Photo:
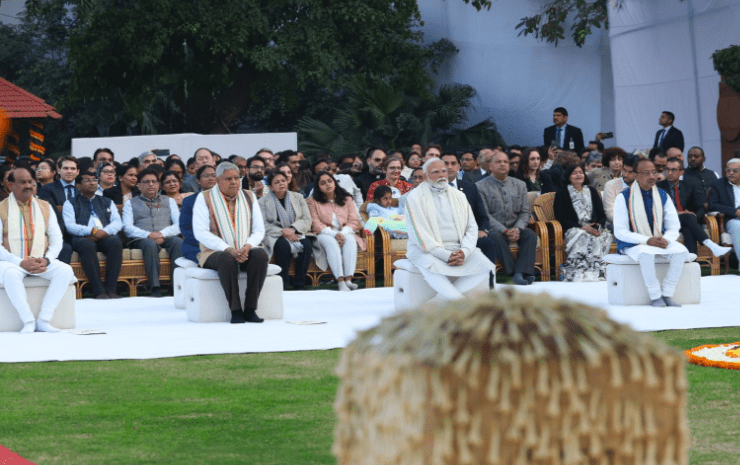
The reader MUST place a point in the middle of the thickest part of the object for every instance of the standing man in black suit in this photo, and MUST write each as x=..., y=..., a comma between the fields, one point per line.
x=668, y=136
x=58, y=192
x=485, y=243
x=566, y=137
x=688, y=199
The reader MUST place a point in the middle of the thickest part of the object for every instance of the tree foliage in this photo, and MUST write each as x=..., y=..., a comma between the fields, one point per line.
x=549, y=23
x=373, y=113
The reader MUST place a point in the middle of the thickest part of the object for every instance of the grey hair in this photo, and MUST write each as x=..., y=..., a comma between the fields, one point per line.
x=733, y=160
x=426, y=164
x=225, y=166
x=146, y=154
x=593, y=156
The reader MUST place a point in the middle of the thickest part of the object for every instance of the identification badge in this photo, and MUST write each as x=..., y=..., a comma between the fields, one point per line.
x=572, y=145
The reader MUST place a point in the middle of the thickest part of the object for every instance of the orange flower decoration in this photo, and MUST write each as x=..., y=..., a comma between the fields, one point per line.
x=716, y=355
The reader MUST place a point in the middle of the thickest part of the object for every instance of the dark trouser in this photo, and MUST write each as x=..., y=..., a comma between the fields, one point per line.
x=281, y=252
x=488, y=247
x=228, y=273
x=527, y=249
x=150, y=250
x=65, y=255
x=112, y=248
x=692, y=231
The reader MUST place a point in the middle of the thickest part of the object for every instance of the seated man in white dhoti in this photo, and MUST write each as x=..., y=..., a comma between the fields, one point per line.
x=645, y=225
x=31, y=242
x=443, y=234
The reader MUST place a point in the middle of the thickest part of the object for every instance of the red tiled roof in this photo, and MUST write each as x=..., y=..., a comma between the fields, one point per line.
x=18, y=103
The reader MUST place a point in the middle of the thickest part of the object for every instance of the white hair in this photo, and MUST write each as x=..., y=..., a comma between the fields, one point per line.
x=733, y=160
x=426, y=164
x=225, y=166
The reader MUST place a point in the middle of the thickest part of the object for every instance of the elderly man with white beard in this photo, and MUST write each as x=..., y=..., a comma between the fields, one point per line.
x=443, y=235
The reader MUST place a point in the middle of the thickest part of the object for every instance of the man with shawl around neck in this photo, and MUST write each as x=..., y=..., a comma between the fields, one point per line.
x=152, y=222
x=443, y=235
x=32, y=240
x=645, y=225
x=228, y=224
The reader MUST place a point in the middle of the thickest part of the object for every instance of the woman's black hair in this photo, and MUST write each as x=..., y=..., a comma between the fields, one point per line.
x=340, y=195
x=170, y=173
x=569, y=170
x=380, y=191
x=175, y=161
x=271, y=175
x=200, y=171
x=123, y=169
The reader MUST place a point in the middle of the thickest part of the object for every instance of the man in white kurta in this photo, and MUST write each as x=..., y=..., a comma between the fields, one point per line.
x=31, y=242
x=645, y=225
x=443, y=235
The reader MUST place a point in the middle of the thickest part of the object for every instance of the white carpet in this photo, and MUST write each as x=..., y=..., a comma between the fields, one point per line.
x=143, y=328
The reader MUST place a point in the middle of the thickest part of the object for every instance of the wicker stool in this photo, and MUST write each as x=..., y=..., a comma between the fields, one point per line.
x=627, y=286
x=64, y=315
x=206, y=302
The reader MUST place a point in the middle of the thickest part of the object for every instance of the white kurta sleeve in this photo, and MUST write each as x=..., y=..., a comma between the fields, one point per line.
x=174, y=228
x=258, y=226
x=55, y=238
x=622, y=224
x=202, y=227
x=470, y=240
x=671, y=223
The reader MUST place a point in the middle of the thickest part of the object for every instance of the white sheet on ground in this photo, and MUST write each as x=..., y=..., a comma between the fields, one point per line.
x=143, y=328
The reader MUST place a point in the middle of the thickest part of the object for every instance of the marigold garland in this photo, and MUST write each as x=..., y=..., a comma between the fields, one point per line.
x=716, y=355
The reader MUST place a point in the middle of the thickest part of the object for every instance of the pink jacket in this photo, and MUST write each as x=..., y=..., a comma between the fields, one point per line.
x=321, y=214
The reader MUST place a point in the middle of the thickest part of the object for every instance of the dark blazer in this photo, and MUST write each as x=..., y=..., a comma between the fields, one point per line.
x=552, y=179
x=673, y=138
x=476, y=203
x=722, y=199
x=364, y=181
x=566, y=214
x=572, y=133
x=55, y=195
x=116, y=194
x=190, y=245
x=472, y=176
x=691, y=195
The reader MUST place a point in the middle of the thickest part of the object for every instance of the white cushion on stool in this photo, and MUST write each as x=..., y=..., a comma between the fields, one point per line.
x=410, y=289
x=206, y=301
x=626, y=285
x=620, y=259
x=64, y=315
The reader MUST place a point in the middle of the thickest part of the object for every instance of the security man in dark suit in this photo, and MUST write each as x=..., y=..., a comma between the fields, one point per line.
x=566, y=137
x=689, y=202
x=58, y=192
x=485, y=243
x=669, y=136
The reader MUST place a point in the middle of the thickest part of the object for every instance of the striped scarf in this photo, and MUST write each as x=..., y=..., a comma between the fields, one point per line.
x=236, y=231
x=26, y=240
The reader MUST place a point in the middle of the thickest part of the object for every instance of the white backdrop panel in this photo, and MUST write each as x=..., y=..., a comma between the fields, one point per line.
x=657, y=66
x=185, y=145
x=519, y=80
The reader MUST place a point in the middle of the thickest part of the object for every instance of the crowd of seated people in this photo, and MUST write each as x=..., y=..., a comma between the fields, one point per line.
x=311, y=210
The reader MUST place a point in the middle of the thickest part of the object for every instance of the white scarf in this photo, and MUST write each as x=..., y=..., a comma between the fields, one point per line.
x=638, y=216
x=18, y=231
x=422, y=215
x=235, y=233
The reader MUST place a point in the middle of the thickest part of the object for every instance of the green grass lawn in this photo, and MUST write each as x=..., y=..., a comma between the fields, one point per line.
x=251, y=408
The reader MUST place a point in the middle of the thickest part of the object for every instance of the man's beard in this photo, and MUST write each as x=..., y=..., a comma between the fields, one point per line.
x=440, y=185
x=255, y=177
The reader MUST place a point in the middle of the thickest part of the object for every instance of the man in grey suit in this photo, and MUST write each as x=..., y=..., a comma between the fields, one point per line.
x=505, y=199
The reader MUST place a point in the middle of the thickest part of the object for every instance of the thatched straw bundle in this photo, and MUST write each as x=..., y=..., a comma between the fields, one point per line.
x=510, y=379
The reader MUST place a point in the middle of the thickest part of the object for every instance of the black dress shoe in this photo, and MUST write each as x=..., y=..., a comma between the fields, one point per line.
x=251, y=317
x=113, y=295
x=237, y=316
x=156, y=292
x=102, y=296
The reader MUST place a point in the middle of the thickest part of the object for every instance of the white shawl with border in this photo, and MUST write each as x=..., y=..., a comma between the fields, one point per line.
x=20, y=234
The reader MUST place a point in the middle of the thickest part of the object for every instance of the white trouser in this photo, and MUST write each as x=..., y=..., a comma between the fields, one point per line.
x=342, y=260
x=444, y=287
x=58, y=274
x=647, y=266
